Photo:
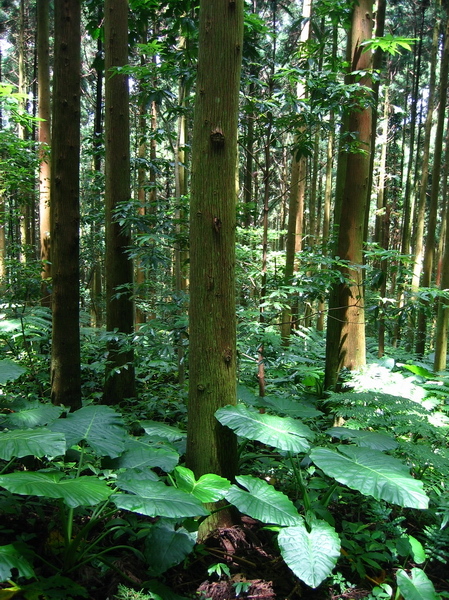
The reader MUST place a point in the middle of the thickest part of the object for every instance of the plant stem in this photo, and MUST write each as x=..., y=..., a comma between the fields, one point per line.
x=301, y=485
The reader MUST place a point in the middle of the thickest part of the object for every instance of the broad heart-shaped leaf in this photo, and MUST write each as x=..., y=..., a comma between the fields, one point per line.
x=416, y=587
x=31, y=442
x=366, y=439
x=311, y=555
x=140, y=454
x=100, y=426
x=83, y=491
x=162, y=430
x=262, y=502
x=166, y=547
x=9, y=371
x=283, y=433
x=35, y=416
x=372, y=473
x=155, y=499
x=208, y=488
x=12, y=558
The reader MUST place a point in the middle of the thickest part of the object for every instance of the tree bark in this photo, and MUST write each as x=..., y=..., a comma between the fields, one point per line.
x=434, y=192
x=119, y=381
x=212, y=350
x=65, y=156
x=345, y=342
x=44, y=134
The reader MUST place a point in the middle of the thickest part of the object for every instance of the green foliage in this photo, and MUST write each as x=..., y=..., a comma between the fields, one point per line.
x=311, y=553
x=416, y=586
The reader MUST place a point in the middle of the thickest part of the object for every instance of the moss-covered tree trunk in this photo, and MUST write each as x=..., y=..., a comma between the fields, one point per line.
x=65, y=151
x=119, y=383
x=345, y=341
x=212, y=349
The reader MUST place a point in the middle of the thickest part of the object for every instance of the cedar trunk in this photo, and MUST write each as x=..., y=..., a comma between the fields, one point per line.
x=65, y=357
x=44, y=107
x=212, y=448
x=345, y=342
x=119, y=383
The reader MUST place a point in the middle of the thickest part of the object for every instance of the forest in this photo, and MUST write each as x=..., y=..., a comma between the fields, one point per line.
x=224, y=278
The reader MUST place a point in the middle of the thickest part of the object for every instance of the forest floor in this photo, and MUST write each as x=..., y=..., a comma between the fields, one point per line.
x=249, y=551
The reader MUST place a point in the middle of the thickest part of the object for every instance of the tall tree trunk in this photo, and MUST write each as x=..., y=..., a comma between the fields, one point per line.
x=44, y=106
x=96, y=286
x=181, y=252
x=434, y=192
x=382, y=221
x=212, y=350
x=328, y=182
x=27, y=199
x=119, y=381
x=345, y=342
x=65, y=215
x=425, y=152
x=296, y=197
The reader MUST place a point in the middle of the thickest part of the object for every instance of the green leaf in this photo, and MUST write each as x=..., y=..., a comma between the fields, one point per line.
x=263, y=502
x=311, y=555
x=31, y=442
x=83, y=491
x=291, y=408
x=34, y=416
x=208, y=488
x=418, y=552
x=155, y=499
x=156, y=587
x=283, y=433
x=366, y=439
x=162, y=430
x=140, y=454
x=10, y=371
x=12, y=558
x=166, y=547
x=417, y=586
x=131, y=475
x=100, y=426
x=372, y=473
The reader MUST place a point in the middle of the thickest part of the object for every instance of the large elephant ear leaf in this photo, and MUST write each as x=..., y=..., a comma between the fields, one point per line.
x=166, y=547
x=282, y=433
x=417, y=586
x=373, y=474
x=33, y=416
x=9, y=371
x=12, y=558
x=367, y=439
x=155, y=499
x=82, y=491
x=208, y=488
x=311, y=555
x=100, y=426
x=262, y=502
x=31, y=442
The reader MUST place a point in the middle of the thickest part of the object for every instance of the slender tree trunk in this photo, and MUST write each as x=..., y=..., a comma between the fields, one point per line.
x=44, y=112
x=296, y=199
x=408, y=210
x=65, y=156
x=345, y=342
x=212, y=350
x=382, y=220
x=328, y=182
x=96, y=307
x=434, y=193
x=181, y=251
x=119, y=382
